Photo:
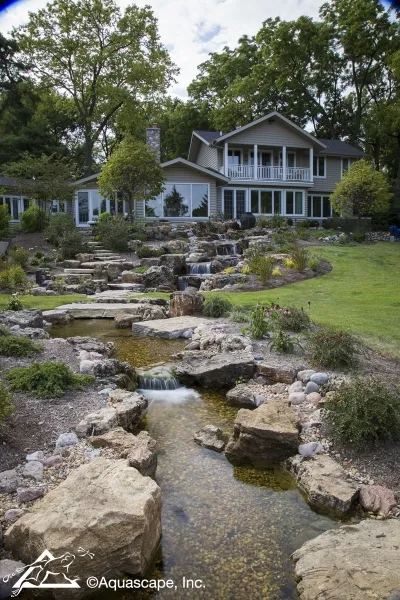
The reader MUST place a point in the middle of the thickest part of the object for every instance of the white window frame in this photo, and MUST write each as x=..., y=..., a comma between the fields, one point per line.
x=256, y=189
x=295, y=191
x=287, y=160
x=234, y=189
x=56, y=203
x=319, y=176
x=20, y=205
x=348, y=165
x=259, y=153
x=188, y=216
x=311, y=211
x=233, y=149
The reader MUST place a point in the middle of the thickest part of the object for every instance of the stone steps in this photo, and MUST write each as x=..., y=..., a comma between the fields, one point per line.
x=98, y=245
x=81, y=271
x=125, y=286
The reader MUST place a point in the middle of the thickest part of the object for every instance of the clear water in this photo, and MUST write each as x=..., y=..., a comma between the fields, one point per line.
x=232, y=527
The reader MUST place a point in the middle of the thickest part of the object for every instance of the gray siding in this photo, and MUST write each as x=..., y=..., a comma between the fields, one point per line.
x=207, y=157
x=184, y=174
x=333, y=175
x=274, y=134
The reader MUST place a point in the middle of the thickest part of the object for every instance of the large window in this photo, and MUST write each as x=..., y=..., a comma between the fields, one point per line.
x=319, y=207
x=294, y=202
x=16, y=205
x=234, y=157
x=345, y=165
x=234, y=203
x=180, y=200
x=319, y=166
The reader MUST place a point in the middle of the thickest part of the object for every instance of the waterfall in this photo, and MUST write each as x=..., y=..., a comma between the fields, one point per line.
x=158, y=383
x=227, y=249
x=199, y=268
x=182, y=283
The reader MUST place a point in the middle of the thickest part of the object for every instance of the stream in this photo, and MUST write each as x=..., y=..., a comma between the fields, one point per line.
x=234, y=528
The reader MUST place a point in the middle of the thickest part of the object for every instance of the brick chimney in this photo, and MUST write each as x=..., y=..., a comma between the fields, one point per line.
x=153, y=140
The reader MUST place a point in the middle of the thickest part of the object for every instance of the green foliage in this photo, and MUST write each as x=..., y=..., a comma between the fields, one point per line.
x=283, y=342
x=315, y=262
x=14, y=303
x=6, y=405
x=104, y=217
x=300, y=258
x=239, y=315
x=359, y=237
x=70, y=244
x=33, y=219
x=59, y=284
x=258, y=323
x=274, y=222
x=303, y=234
x=290, y=318
x=259, y=264
x=46, y=380
x=114, y=233
x=333, y=348
x=18, y=256
x=133, y=172
x=149, y=252
x=363, y=191
x=13, y=279
x=57, y=226
x=142, y=269
x=4, y=221
x=18, y=346
x=140, y=236
x=303, y=224
x=364, y=411
x=216, y=306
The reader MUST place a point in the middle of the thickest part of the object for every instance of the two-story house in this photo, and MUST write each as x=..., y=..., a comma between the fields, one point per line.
x=270, y=166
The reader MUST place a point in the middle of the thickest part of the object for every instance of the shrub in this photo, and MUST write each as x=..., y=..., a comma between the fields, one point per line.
x=142, y=269
x=46, y=380
x=19, y=256
x=239, y=315
x=274, y=222
x=4, y=331
x=359, y=237
x=276, y=272
x=282, y=342
x=4, y=221
x=229, y=271
x=140, y=236
x=70, y=244
x=148, y=252
x=259, y=264
x=6, y=405
x=13, y=279
x=33, y=219
x=57, y=226
x=104, y=217
x=216, y=306
x=14, y=303
x=303, y=234
x=289, y=264
x=315, y=262
x=246, y=270
x=300, y=257
x=17, y=346
x=364, y=410
x=258, y=324
x=114, y=233
x=291, y=318
x=303, y=224
x=333, y=348
x=59, y=285
x=284, y=238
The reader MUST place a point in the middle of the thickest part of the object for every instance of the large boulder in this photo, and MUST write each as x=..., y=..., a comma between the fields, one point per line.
x=175, y=262
x=276, y=373
x=185, y=303
x=118, y=439
x=144, y=312
x=105, y=507
x=325, y=482
x=143, y=455
x=242, y=395
x=354, y=562
x=267, y=434
x=57, y=316
x=218, y=370
x=377, y=499
x=156, y=276
x=122, y=373
x=131, y=277
x=130, y=407
x=97, y=422
x=23, y=318
x=210, y=437
x=9, y=481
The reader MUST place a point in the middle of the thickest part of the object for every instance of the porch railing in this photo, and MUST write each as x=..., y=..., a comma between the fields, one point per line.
x=268, y=173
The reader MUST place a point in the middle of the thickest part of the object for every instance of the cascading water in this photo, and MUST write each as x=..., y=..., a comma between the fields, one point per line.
x=199, y=268
x=229, y=249
x=160, y=384
x=182, y=283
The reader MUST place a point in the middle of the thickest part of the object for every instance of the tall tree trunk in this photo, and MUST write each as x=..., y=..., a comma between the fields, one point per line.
x=88, y=165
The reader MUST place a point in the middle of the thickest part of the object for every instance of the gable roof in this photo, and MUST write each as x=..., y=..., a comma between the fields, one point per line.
x=339, y=148
x=192, y=165
x=7, y=182
x=207, y=136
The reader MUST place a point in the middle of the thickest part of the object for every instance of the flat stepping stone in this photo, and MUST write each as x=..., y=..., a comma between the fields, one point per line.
x=82, y=271
x=98, y=310
x=168, y=328
x=126, y=286
x=95, y=265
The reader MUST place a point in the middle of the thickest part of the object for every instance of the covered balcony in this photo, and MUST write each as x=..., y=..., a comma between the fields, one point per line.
x=268, y=164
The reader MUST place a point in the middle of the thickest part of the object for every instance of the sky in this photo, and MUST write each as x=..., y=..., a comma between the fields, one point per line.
x=192, y=29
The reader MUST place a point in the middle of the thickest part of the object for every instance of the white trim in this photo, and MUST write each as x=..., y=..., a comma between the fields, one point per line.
x=284, y=176
x=255, y=160
x=319, y=176
x=185, y=217
x=20, y=199
x=321, y=196
x=294, y=192
x=270, y=116
x=235, y=189
x=311, y=161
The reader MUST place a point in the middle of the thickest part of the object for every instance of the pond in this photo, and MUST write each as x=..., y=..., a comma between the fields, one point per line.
x=234, y=528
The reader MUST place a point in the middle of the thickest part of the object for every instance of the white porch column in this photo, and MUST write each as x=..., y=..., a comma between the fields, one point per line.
x=311, y=164
x=284, y=161
x=255, y=161
x=226, y=159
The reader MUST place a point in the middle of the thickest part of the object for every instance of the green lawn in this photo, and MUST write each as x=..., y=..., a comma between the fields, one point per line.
x=44, y=302
x=361, y=294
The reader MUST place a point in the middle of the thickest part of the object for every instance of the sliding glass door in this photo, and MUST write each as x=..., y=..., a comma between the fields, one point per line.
x=234, y=203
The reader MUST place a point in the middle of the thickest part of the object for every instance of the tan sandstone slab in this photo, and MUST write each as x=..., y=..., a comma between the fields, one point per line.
x=354, y=562
x=98, y=310
x=168, y=328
